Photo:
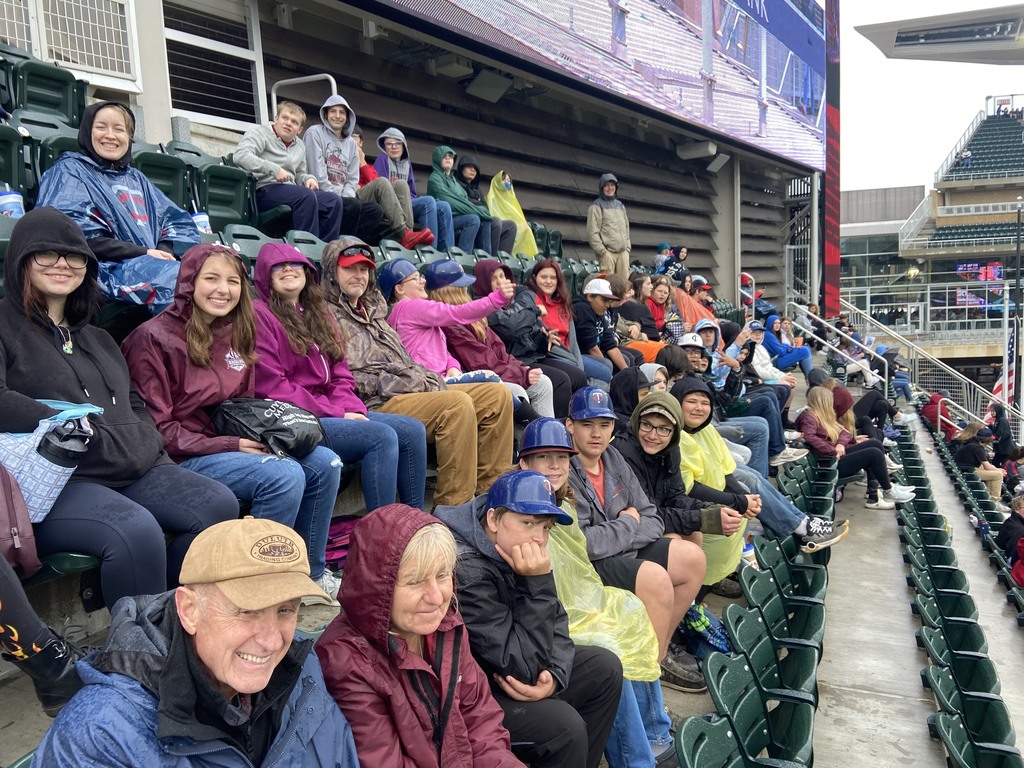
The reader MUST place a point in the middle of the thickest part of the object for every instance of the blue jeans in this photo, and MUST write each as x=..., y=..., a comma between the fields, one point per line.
x=777, y=512
x=652, y=711
x=435, y=216
x=901, y=384
x=763, y=403
x=293, y=492
x=627, y=745
x=597, y=368
x=393, y=450
x=483, y=238
x=796, y=356
x=467, y=227
x=756, y=436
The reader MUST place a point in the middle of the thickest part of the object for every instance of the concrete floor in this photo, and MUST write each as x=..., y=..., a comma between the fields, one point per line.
x=873, y=709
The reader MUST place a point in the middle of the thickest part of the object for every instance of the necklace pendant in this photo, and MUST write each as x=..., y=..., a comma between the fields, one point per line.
x=68, y=347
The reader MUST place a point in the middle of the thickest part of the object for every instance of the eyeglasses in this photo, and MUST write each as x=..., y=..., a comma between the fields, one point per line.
x=414, y=277
x=392, y=144
x=297, y=266
x=50, y=259
x=646, y=426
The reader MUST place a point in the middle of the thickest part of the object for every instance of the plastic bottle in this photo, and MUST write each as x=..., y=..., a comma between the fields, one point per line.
x=749, y=558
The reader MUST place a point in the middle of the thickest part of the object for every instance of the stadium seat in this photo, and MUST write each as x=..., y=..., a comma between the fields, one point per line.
x=711, y=742
x=49, y=89
x=801, y=625
x=222, y=191
x=972, y=671
x=428, y=253
x=168, y=173
x=273, y=221
x=12, y=159
x=961, y=752
x=309, y=245
x=24, y=761
x=796, y=669
x=927, y=581
x=554, y=249
x=392, y=249
x=798, y=582
x=47, y=137
x=945, y=608
x=7, y=224
x=985, y=716
x=247, y=241
x=786, y=731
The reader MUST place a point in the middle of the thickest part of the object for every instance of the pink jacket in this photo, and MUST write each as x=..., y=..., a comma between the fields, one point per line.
x=419, y=323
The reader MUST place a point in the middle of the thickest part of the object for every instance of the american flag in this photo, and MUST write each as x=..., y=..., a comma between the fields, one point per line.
x=1011, y=370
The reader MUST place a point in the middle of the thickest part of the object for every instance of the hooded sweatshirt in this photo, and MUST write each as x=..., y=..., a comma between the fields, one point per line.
x=476, y=197
x=659, y=473
x=331, y=159
x=1004, y=442
x=391, y=695
x=624, y=391
x=607, y=223
x=149, y=701
x=445, y=187
x=516, y=624
x=393, y=170
x=310, y=381
x=518, y=323
x=263, y=153
x=125, y=445
x=120, y=211
x=178, y=392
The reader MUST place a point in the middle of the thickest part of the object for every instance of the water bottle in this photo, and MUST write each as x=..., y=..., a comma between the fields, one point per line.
x=749, y=558
x=65, y=445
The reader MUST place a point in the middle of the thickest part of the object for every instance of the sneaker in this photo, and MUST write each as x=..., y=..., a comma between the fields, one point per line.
x=330, y=584
x=899, y=418
x=899, y=495
x=822, y=533
x=1000, y=507
x=787, y=455
x=888, y=443
x=678, y=675
x=879, y=503
x=411, y=239
x=892, y=466
x=728, y=587
x=904, y=488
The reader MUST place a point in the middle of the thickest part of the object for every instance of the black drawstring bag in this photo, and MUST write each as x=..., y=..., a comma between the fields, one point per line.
x=285, y=429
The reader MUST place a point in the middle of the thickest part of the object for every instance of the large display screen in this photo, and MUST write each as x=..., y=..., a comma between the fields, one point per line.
x=754, y=71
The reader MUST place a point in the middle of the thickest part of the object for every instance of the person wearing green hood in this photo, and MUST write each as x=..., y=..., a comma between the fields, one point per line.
x=467, y=219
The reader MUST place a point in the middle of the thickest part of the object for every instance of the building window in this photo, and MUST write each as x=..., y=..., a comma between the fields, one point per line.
x=215, y=63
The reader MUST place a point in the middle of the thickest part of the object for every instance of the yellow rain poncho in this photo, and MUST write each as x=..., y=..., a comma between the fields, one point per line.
x=502, y=203
x=704, y=459
x=598, y=615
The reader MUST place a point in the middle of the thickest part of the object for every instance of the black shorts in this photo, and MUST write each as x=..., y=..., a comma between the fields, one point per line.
x=620, y=570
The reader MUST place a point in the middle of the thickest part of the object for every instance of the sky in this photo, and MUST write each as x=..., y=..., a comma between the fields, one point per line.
x=900, y=119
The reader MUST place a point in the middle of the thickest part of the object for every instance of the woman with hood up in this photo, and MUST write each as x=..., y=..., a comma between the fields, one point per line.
x=397, y=659
x=202, y=351
x=117, y=504
x=785, y=355
x=302, y=361
x=608, y=228
x=469, y=221
x=503, y=233
x=502, y=201
x=123, y=215
x=970, y=449
x=1003, y=443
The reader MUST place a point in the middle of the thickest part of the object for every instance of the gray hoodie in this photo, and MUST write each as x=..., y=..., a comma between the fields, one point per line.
x=333, y=160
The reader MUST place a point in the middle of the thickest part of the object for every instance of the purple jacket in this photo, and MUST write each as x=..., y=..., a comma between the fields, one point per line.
x=310, y=381
x=491, y=355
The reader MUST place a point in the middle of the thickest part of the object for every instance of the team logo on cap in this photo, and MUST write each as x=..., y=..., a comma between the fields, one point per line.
x=549, y=487
x=275, y=549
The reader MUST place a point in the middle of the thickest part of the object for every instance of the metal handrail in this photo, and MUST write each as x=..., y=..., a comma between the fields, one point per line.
x=298, y=80
x=914, y=224
x=961, y=142
x=956, y=407
x=861, y=345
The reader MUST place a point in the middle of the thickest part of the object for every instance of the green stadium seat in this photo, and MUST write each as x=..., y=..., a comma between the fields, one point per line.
x=247, y=241
x=775, y=667
x=927, y=581
x=392, y=249
x=985, y=715
x=273, y=221
x=309, y=245
x=945, y=608
x=7, y=225
x=798, y=624
x=972, y=671
x=428, y=253
x=711, y=742
x=785, y=732
x=222, y=191
x=798, y=582
x=24, y=761
x=12, y=159
x=49, y=89
x=961, y=752
x=168, y=173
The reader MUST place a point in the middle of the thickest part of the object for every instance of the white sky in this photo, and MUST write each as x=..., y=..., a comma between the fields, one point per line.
x=901, y=118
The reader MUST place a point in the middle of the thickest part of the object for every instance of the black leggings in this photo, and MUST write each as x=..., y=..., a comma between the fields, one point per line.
x=124, y=527
x=869, y=456
x=566, y=378
x=874, y=406
x=20, y=627
x=570, y=730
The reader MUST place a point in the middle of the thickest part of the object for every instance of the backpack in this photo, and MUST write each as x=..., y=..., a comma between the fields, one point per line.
x=17, y=542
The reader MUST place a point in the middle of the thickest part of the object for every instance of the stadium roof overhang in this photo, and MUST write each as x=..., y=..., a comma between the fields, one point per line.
x=987, y=36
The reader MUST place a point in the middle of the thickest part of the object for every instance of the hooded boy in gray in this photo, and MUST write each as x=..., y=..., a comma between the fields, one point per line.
x=331, y=152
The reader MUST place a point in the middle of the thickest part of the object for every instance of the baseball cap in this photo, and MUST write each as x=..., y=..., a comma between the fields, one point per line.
x=691, y=340
x=661, y=411
x=255, y=562
x=984, y=433
x=599, y=287
x=528, y=493
x=359, y=253
x=755, y=325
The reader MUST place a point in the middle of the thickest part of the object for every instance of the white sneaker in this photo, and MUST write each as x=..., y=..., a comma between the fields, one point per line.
x=880, y=503
x=787, y=455
x=330, y=584
x=892, y=466
x=898, y=495
x=888, y=443
x=899, y=418
x=904, y=488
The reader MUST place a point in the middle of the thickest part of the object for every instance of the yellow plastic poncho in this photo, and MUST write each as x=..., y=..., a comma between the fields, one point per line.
x=709, y=461
x=607, y=617
x=502, y=203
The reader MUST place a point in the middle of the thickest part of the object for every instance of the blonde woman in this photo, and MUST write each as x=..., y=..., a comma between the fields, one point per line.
x=972, y=444
x=828, y=438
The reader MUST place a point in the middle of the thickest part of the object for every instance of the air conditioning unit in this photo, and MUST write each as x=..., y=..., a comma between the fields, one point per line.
x=453, y=66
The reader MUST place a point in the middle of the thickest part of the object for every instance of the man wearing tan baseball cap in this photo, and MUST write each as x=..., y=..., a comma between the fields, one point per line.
x=210, y=673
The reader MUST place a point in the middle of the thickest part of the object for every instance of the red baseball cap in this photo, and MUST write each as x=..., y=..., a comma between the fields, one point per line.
x=357, y=254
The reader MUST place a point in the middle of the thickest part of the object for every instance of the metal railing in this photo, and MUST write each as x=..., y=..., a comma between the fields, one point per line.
x=917, y=219
x=801, y=313
x=960, y=144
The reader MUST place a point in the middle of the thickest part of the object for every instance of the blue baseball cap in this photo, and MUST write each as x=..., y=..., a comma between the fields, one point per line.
x=392, y=273
x=755, y=325
x=445, y=272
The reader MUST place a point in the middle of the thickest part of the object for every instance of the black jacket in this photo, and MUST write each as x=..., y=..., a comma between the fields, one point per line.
x=592, y=330
x=661, y=480
x=33, y=365
x=516, y=624
x=476, y=197
x=519, y=326
x=1009, y=534
x=637, y=312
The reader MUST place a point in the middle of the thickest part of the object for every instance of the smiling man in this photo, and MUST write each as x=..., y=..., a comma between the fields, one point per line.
x=209, y=673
